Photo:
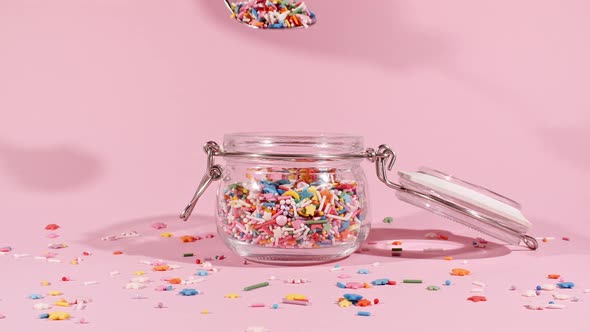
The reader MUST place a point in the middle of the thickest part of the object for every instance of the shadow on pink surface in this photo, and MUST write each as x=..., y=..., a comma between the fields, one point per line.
x=153, y=246
x=374, y=31
x=417, y=247
x=49, y=168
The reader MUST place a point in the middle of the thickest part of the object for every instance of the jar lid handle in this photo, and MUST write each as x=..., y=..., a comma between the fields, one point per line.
x=212, y=173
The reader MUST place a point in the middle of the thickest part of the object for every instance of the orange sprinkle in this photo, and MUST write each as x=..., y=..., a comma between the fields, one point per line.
x=175, y=281
x=397, y=243
x=443, y=237
x=161, y=268
x=460, y=272
x=118, y=252
x=448, y=258
x=188, y=238
x=553, y=276
x=363, y=303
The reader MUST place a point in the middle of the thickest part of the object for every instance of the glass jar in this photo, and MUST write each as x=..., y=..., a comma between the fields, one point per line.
x=302, y=198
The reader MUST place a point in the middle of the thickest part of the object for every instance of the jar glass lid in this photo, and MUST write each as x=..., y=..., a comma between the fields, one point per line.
x=466, y=203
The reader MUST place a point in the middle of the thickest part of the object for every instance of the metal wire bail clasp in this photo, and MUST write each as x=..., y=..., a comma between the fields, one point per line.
x=212, y=173
x=380, y=158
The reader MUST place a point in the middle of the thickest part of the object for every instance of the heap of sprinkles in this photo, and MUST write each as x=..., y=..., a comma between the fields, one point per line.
x=273, y=14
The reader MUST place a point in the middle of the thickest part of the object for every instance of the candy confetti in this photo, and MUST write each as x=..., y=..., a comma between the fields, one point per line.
x=306, y=208
x=273, y=14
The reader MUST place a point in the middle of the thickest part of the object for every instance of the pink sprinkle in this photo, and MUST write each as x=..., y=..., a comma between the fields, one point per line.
x=565, y=238
x=257, y=305
x=2, y=316
x=159, y=225
x=52, y=235
x=373, y=242
x=344, y=276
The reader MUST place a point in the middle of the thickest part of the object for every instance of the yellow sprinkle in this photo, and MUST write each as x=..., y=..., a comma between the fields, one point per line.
x=45, y=283
x=292, y=194
x=139, y=273
x=295, y=297
x=62, y=303
x=166, y=234
x=55, y=293
x=344, y=303
x=59, y=315
x=205, y=312
x=232, y=296
x=74, y=262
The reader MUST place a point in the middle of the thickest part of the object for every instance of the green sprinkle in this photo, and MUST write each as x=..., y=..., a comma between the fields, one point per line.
x=313, y=222
x=412, y=281
x=260, y=285
x=433, y=288
x=388, y=220
x=397, y=249
x=188, y=254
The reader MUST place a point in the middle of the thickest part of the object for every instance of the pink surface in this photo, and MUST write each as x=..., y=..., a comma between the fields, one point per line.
x=105, y=105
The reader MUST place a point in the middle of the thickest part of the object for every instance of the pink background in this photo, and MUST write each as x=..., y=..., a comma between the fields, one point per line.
x=105, y=105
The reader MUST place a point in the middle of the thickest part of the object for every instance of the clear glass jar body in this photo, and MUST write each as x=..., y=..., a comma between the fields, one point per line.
x=292, y=211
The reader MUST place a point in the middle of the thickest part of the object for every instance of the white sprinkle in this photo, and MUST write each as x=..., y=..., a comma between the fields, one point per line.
x=587, y=290
x=376, y=264
x=141, y=279
x=561, y=296
x=134, y=285
x=41, y=258
x=21, y=255
x=114, y=273
x=548, y=287
x=91, y=282
x=476, y=290
x=534, y=307
x=41, y=306
x=192, y=280
x=555, y=306
x=478, y=284
x=336, y=269
x=80, y=306
x=464, y=262
x=53, y=260
x=272, y=278
x=529, y=293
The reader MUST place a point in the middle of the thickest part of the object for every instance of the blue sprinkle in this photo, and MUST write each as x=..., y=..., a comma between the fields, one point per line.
x=202, y=273
x=353, y=297
x=43, y=316
x=380, y=282
x=281, y=191
x=188, y=292
x=344, y=225
x=275, y=306
x=281, y=182
x=539, y=287
x=35, y=296
x=362, y=271
x=364, y=313
x=551, y=302
x=565, y=284
x=341, y=285
x=447, y=282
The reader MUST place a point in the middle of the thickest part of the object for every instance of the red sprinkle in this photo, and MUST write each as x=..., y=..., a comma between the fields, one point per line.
x=477, y=298
x=65, y=279
x=392, y=282
x=376, y=301
x=52, y=227
x=198, y=261
x=118, y=252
